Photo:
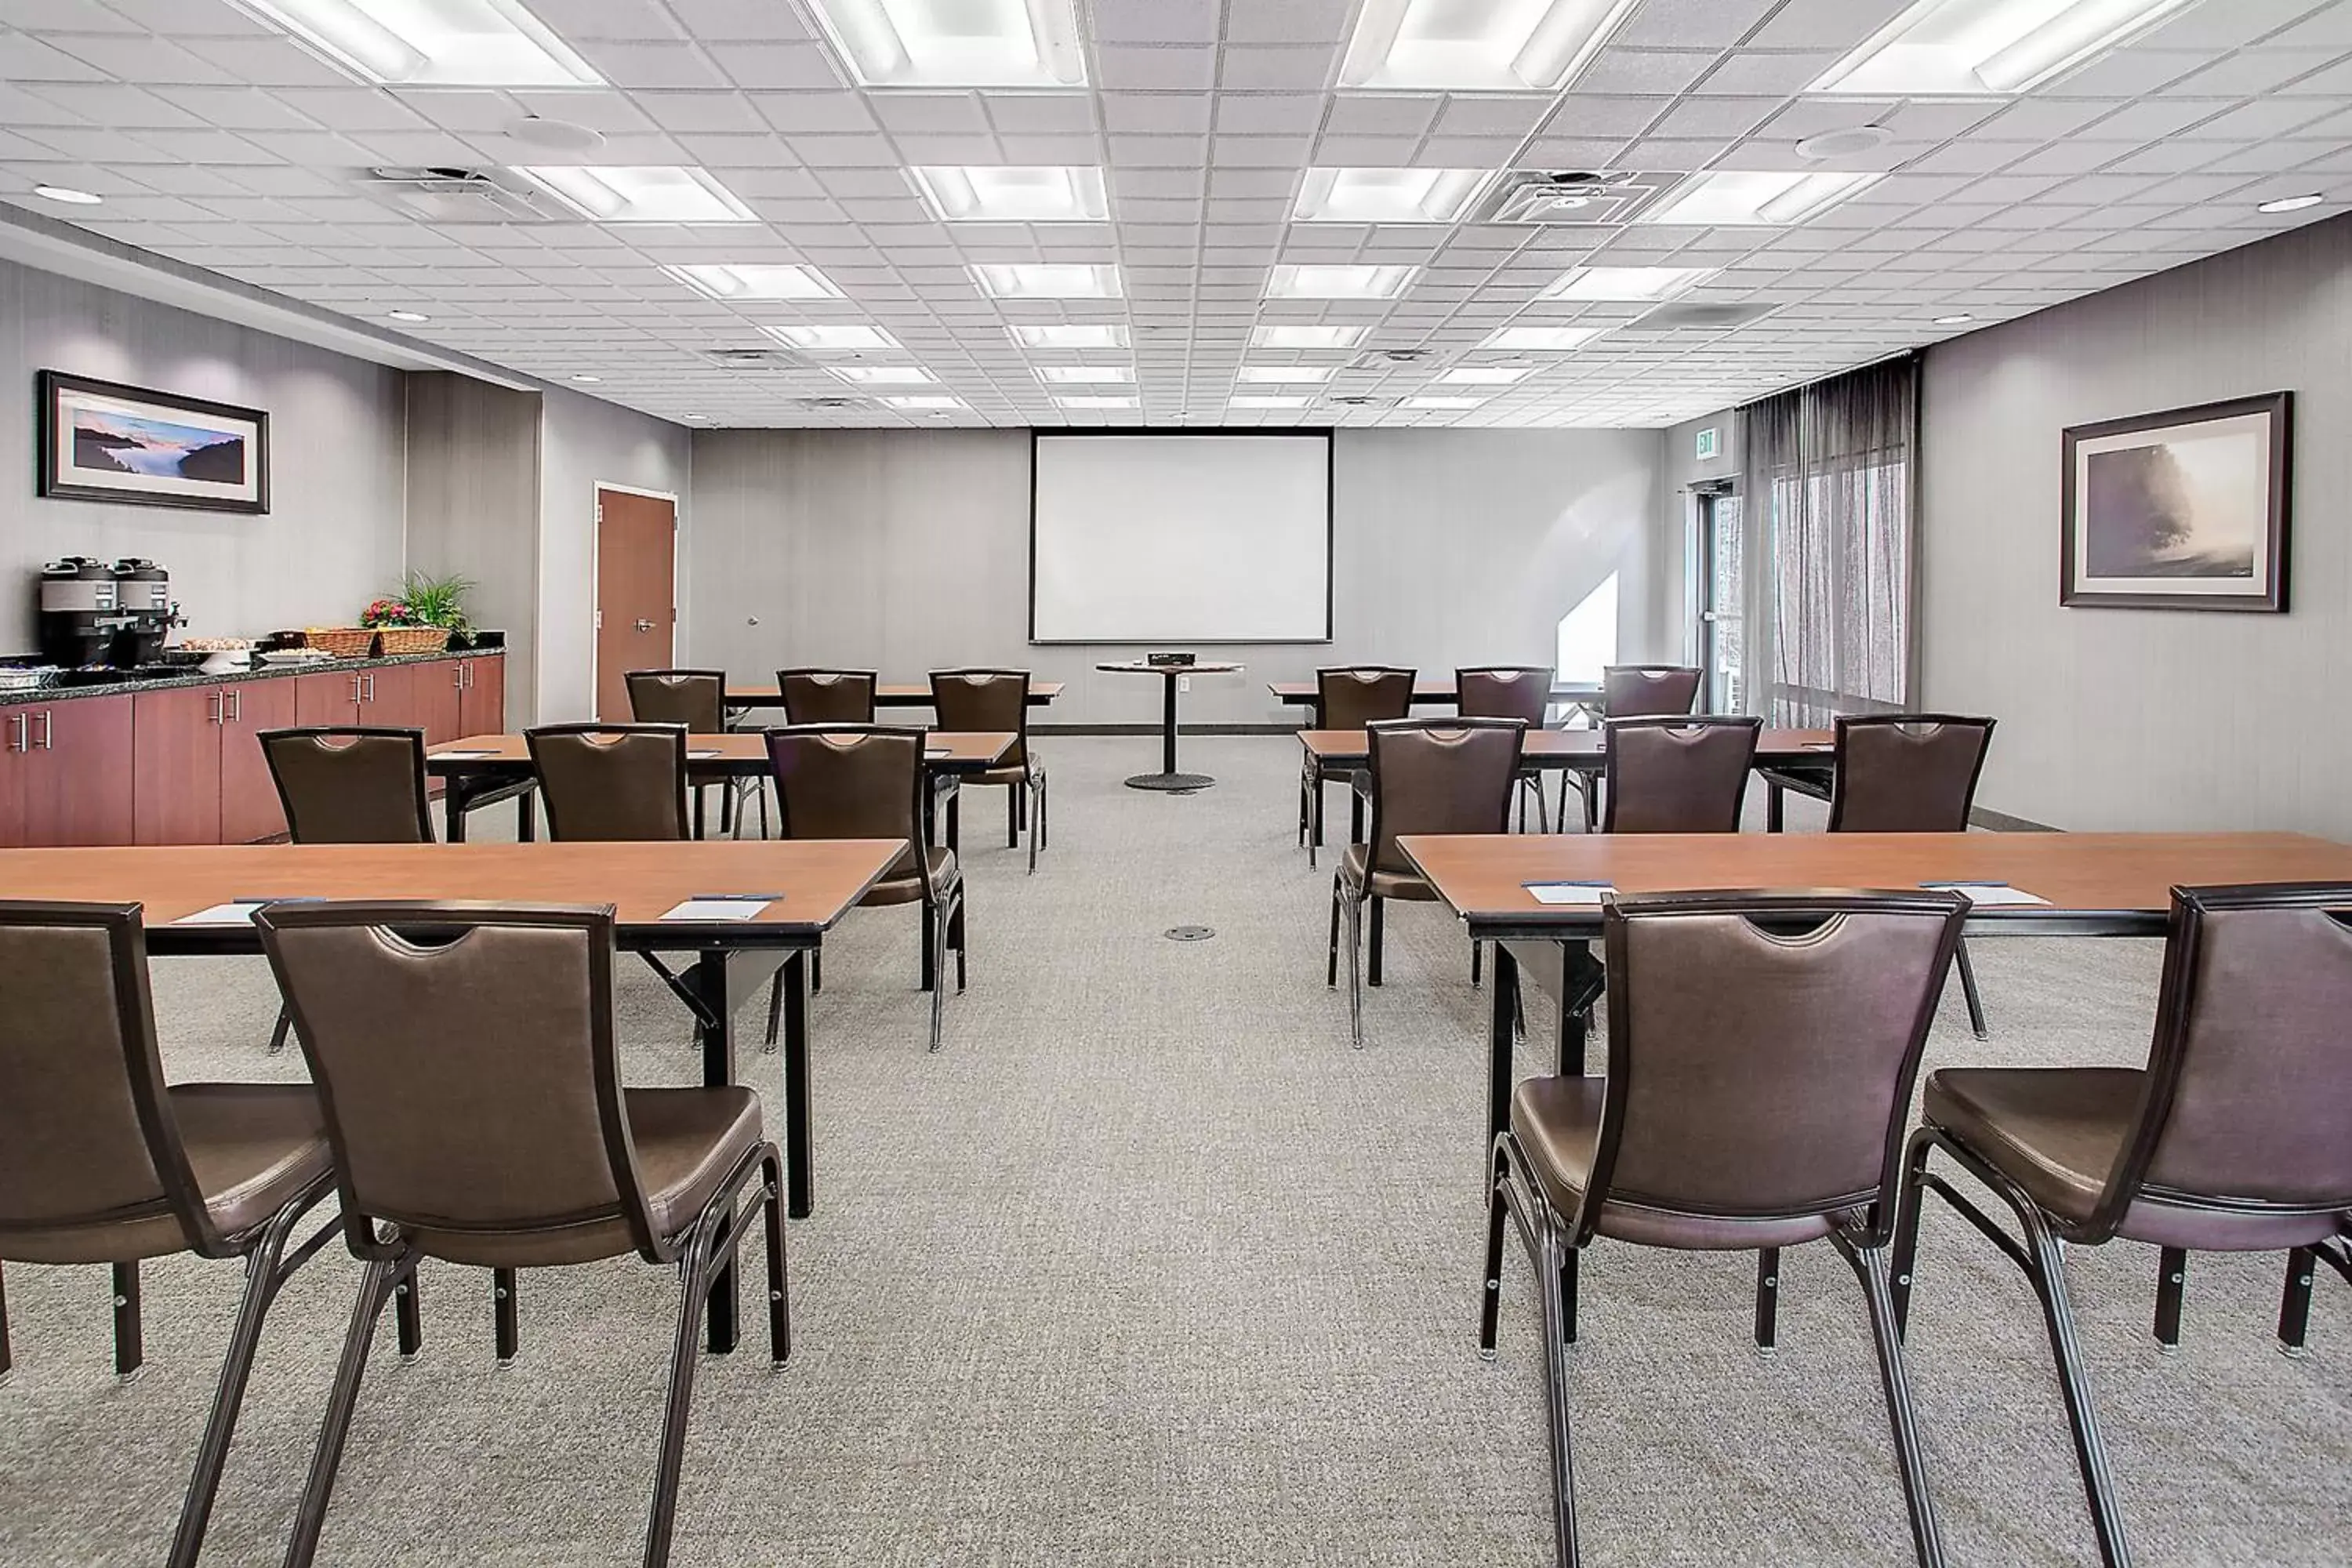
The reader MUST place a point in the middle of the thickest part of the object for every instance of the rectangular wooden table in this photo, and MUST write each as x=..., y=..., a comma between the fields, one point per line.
x=2097, y=884
x=481, y=767
x=742, y=695
x=1441, y=694
x=815, y=883
x=1574, y=751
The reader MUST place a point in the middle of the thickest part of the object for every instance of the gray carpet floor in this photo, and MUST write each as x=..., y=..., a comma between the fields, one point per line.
x=1148, y=1266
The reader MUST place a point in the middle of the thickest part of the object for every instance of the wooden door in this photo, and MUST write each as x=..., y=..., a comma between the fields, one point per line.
x=177, y=796
x=636, y=597
x=77, y=773
x=482, y=703
x=250, y=809
x=440, y=699
x=330, y=698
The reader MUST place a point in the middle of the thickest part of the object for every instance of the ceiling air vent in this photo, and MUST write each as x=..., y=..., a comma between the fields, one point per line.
x=758, y=358
x=1380, y=357
x=456, y=196
x=1696, y=318
x=825, y=402
x=1359, y=401
x=1572, y=196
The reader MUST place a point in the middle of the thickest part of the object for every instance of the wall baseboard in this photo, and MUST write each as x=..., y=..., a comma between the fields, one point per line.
x=2001, y=822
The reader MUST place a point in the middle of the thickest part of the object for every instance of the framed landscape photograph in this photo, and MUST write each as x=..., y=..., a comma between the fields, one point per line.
x=101, y=441
x=2185, y=509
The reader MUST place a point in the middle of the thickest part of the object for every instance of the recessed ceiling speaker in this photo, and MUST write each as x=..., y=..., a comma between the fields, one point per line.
x=1844, y=143
x=556, y=135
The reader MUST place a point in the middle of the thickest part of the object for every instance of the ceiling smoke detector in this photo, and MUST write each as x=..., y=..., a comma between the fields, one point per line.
x=1845, y=143
x=555, y=135
x=447, y=195
x=1565, y=196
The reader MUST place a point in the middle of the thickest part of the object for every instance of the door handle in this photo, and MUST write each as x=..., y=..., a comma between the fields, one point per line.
x=20, y=740
x=236, y=706
x=369, y=678
x=216, y=700
x=460, y=674
x=644, y=625
x=356, y=688
x=48, y=730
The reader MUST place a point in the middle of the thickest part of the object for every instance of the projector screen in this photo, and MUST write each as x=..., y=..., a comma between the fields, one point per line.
x=1180, y=537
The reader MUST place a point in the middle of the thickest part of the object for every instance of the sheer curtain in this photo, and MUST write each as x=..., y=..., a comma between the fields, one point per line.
x=1827, y=481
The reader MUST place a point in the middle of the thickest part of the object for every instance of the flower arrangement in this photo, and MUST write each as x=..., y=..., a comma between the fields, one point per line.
x=423, y=601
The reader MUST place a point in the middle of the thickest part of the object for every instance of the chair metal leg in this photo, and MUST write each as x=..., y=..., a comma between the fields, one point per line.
x=1477, y=951
x=1331, y=955
x=695, y=1269
x=1870, y=1267
x=816, y=971
x=279, y=1031
x=7, y=1356
x=1012, y=817
x=2171, y=1283
x=375, y=1289
x=1372, y=970
x=506, y=1314
x=1315, y=827
x=955, y=939
x=1356, y=972
x=2294, y=1300
x=935, y=931
x=408, y=1317
x=1968, y=993
x=1490, y=1298
x=780, y=1306
x=776, y=1012
x=1559, y=1332
x=1767, y=1300
x=930, y=946
x=129, y=1338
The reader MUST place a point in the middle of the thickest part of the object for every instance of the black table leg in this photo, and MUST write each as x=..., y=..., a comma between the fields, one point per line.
x=709, y=977
x=1775, y=806
x=526, y=821
x=800, y=1152
x=1168, y=778
x=453, y=808
x=1168, y=727
x=1502, y=1010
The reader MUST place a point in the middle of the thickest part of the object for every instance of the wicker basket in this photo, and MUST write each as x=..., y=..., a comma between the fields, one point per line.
x=344, y=642
x=414, y=639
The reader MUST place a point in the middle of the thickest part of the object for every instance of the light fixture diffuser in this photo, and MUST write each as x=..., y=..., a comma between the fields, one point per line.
x=1084, y=374
x=956, y=43
x=443, y=43
x=1264, y=399
x=1095, y=402
x=642, y=193
x=1552, y=338
x=1388, y=195
x=1976, y=48
x=884, y=375
x=738, y=281
x=1306, y=337
x=1477, y=46
x=1635, y=285
x=923, y=400
x=1484, y=375
x=2283, y=205
x=1350, y=281
x=69, y=195
x=1735, y=197
x=1070, y=336
x=1275, y=375
x=981, y=193
x=1047, y=281
x=847, y=338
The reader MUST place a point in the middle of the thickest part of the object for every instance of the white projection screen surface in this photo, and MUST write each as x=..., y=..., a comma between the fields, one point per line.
x=1180, y=539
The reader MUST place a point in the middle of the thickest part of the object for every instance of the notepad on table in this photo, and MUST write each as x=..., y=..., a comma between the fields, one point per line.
x=237, y=911
x=1569, y=893
x=461, y=756
x=938, y=751
x=1820, y=746
x=701, y=756
x=722, y=907
x=1987, y=895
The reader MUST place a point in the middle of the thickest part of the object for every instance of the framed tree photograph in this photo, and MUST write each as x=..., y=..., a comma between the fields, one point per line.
x=2181, y=510
x=102, y=441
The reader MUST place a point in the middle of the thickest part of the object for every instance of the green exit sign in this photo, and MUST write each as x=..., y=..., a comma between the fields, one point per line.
x=1710, y=444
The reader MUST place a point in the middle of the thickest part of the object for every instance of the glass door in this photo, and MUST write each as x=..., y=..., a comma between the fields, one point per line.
x=1719, y=627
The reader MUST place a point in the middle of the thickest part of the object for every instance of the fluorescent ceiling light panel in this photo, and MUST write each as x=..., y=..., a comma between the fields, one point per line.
x=645, y=193
x=1338, y=283
x=1484, y=375
x=1388, y=195
x=738, y=281
x=1477, y=46
x=1542, y=338
x=1973, y=48
x=1434, y=402
x=1083, y=375
x=1070, y=336
x=923, y=400
x=1634, y=285
x=831, y=340
x=1306, y=337
x=1264, y=374
x=1733, y=197
x=1047, y=281
x=1095, y=402
x=956, y=43
x=884, y=375
x=978, y=194
x=431, y=43
x=1260, y=400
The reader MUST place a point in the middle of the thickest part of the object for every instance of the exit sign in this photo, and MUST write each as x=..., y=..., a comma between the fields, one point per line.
x=1710, y=444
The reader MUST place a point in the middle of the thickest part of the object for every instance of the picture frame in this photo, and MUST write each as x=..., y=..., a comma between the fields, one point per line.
x=2185, y=509
x=133, y=445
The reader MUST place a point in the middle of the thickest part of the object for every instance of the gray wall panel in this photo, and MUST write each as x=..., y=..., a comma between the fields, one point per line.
x=472, y=507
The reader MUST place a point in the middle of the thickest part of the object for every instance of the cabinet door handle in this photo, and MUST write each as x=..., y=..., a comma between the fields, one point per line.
x=458, y=675
x=217, y=706
x=48, y=730
x=236, y=706
x=370, y=683
x=355, y=690
x=20, y=740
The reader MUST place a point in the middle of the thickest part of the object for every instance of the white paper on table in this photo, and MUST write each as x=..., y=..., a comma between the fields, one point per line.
x=700, y=756
x=1590, y=894
x=236, y=912
x=461, y=756
x=938, y=751
x=1987, y=895
x=719, y=907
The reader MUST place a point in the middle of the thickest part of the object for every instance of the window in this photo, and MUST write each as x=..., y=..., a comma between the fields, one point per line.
x=1588, y=634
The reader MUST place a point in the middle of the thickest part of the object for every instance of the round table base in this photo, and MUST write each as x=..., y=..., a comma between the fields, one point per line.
x=1171, y=780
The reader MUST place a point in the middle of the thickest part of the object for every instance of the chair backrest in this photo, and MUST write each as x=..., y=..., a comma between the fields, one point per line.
x=467, y=1063
x=1648, y=690
x=1906, y=773
x=86, y=1132
x=850, y=781
x=2249, y=1097
x=1781, y=1087
x=1439, y=775
x=1677, y=775
x=352, y=786
x=1505, y=692
x=989, y=701
x=611, y=781
x=1358, y=696
x=696, y=699
x=827, y=696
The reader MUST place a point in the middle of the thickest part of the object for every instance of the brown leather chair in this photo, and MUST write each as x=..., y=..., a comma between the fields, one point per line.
x=2232, y=1139
x=612, y=782
x=1521, y=691
x=995, y=701
x=1762, y=1109
x=422, y=1040
x=696, y=699
x=1428, y=775
x=1677, y=775
x=102, y=1162
x=1349, y=697
x=1911, y=772
x=866, y=781
x=827, y=696
x=1633, y=692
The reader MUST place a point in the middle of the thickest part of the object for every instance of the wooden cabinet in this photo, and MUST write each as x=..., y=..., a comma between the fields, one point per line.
x=67, y=772
x=482, y=699
x=249, y=806
x=388, y=697
x=177, y=744
x=330, y=697
x=439, y=696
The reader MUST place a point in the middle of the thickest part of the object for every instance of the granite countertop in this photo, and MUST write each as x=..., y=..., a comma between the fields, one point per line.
x=197, y=677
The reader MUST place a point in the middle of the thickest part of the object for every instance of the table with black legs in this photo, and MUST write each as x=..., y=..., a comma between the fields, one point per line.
x=1170, y=676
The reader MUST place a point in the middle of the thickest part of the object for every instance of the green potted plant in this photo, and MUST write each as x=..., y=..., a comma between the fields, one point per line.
x=423, y=604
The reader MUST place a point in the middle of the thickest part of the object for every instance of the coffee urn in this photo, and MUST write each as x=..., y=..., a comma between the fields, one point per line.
x=142, y=601
x=78, y=611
